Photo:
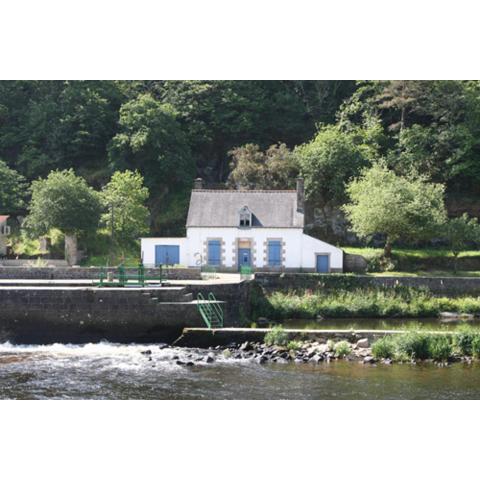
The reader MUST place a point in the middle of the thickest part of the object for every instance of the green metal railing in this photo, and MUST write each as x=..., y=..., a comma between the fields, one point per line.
x=122, y=278
x=210, y=310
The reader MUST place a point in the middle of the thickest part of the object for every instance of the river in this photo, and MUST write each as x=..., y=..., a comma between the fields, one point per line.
x=114, y=371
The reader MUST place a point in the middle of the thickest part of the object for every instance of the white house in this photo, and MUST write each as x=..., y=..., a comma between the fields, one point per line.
x=228, y=229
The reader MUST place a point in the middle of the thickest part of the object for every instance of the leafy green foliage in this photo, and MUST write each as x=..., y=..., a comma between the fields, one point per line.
x=342, y=348
x=151, y=140
x=124, y=198
x=413, y=345
x=330, y=160
x=459, y=232
x=398, y=207
x=294, y=345
x=63, y=201
x=362, y=302
x=12, y=190
x=276, y=336
x=276, y=168
x=440, y=347
x=384, y=348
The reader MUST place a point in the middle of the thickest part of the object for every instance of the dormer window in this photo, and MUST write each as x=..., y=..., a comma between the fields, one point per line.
x=245, y=218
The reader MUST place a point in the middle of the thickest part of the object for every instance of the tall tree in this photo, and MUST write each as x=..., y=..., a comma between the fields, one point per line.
x=13, y=189
x=124, y=197
x=330, y=160
x=63, y=201
x=151, y=140
x=459, y=232
x=251, y=168
x=382, y=202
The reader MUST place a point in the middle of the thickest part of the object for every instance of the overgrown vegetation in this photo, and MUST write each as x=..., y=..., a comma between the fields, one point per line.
x=420, y=345
x=365, y=302
x=276, y=336
x=342, y=348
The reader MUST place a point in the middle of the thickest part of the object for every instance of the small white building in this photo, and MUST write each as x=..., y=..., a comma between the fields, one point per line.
x=228, y=229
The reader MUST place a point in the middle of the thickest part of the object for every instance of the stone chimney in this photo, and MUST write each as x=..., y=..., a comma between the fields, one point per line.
x=300, y=195
x=198, y=184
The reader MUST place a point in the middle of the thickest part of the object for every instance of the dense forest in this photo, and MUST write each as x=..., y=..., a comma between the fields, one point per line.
x=245, y=134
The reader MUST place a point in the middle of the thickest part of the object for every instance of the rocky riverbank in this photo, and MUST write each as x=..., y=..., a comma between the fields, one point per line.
x=296, y=352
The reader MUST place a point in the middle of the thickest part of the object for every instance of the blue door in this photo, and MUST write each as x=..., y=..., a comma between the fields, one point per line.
x=323, y=264
x=167, y=254
x=244, y=258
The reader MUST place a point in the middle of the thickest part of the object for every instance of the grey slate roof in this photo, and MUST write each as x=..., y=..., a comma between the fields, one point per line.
x=220, y=208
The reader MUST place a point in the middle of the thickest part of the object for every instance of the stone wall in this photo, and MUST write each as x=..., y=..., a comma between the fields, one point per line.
x=236, y=297
x=90, y=314
x=78, y=314
x=437, y=285
x=88, y=273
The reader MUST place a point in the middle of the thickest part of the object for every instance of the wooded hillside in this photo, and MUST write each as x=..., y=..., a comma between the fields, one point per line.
x=223, y=131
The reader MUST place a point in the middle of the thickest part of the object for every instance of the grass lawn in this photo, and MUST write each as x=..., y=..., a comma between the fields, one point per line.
x=427, y=273
x=420, y=253
x=436, y=262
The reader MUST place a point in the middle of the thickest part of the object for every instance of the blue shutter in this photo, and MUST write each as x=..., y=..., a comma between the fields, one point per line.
x=167, y=254
x=214, y=252
x=274, y=253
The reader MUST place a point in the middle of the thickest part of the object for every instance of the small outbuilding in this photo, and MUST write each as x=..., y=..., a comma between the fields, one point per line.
x=262, y=229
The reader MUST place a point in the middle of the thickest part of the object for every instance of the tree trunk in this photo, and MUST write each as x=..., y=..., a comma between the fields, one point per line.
x=71, y=249
x=455, y=262
x=387, y=251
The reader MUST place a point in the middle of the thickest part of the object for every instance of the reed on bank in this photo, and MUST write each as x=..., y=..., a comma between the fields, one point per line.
x=367, y=302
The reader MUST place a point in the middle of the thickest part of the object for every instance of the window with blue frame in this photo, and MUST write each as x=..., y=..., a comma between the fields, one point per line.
x=214, y=252
x=275, y=253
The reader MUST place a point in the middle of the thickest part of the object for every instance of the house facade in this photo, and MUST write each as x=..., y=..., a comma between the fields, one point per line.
x=228, y=229
x=4, y=232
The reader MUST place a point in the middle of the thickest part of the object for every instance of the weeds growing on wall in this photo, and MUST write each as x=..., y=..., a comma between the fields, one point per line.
x=368, y=302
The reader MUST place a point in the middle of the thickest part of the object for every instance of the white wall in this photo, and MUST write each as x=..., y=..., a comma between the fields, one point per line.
x=312, y=246
x=148, y=248
x=300, y=249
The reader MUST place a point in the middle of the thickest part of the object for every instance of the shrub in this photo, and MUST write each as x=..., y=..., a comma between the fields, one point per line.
x=412, y=345
x=379, y=263
x=342, y=348
x=276, y=336
x=464, y=338
x=476, y=346
x=439, y=347
x=384, y=348
x=294, y=345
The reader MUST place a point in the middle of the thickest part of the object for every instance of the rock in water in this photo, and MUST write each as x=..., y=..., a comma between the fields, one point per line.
x=146, y=352
x=210, y=358
x=363, y=343
x=227, y=353
x=368, y=359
